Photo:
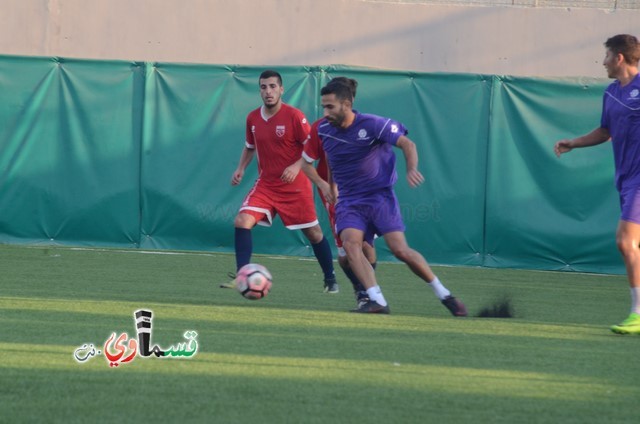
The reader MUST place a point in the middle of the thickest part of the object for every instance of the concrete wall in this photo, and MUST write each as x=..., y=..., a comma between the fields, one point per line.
x=531, y=41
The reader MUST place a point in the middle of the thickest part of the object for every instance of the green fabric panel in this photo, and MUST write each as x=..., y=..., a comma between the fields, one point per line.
x=546, y=212
x=110, y=153
x=69, y=168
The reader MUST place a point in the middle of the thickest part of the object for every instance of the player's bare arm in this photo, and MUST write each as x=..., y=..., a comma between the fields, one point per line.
x=595, y=137
x=332, y=195
x=245, y=159
x=323, y=186
x=291, y=172
x=408, y=147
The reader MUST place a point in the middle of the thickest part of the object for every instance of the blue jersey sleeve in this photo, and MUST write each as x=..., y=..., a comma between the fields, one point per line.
x=391, y=131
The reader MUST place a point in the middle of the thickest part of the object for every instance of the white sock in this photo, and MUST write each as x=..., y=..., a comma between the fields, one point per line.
x=375, y=294
x=635, y=300
x=440, y=290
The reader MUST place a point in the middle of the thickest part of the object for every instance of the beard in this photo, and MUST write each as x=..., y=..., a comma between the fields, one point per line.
x=336, y=120
x=272, y=102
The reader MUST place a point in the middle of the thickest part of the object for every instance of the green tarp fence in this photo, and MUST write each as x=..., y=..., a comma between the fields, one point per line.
x=140, y=155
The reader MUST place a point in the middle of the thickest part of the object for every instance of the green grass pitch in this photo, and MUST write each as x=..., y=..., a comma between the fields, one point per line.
x=298, y=356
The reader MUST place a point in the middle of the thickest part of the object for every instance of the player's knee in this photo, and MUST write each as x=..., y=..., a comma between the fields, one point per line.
x=626, y=246
x=314, y=234
x=244, y=220
x=352, y=247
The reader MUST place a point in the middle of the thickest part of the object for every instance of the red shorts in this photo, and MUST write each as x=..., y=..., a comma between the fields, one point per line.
x=296, y=209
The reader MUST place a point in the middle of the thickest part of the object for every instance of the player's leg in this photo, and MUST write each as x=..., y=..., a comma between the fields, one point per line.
x=257, y=208
x=369, y=251
x=243, y=244
x=298, y=212
x=388, y=221
x=322, y=251
x=359, y=290
x=628, y=241
x=243, y=224
x=397, y=243
x=352, y=242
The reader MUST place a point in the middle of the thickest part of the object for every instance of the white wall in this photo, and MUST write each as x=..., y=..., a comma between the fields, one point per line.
x=431, y=38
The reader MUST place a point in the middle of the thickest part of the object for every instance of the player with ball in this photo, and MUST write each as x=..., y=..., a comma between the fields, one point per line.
x=362, y=173
x=275, y=133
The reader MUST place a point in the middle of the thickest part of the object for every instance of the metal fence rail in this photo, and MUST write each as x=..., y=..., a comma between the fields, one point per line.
x=586, y=4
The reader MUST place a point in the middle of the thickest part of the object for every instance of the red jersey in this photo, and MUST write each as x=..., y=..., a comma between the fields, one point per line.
x=313, y=151
x=278, y=141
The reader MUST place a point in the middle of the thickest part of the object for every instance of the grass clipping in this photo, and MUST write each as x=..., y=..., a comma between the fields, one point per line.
x=500, y=308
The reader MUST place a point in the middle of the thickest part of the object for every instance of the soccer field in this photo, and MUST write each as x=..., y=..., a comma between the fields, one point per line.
x=298, y=356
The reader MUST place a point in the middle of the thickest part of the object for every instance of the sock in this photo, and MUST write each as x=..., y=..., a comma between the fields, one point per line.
x=355, y=282
x=375, y=294
x=244, y=247
x=323, y=253
x=635, y=300
x=440, y=291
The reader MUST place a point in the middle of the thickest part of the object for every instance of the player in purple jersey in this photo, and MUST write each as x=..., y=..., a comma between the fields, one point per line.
x=318, y=176
x=620, y=123
x=359, y=149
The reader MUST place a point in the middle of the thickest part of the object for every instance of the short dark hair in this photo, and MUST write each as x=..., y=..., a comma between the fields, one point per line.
x=270, y=73
x=342, y=87
x=348, y=81
x=626, y=45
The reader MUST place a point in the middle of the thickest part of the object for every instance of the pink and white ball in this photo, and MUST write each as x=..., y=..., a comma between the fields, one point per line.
x=253, y=281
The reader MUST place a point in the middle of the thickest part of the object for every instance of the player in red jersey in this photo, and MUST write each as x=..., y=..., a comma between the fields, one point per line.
x=276, y=132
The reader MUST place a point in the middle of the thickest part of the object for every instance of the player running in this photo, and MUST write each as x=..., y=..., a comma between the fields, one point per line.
x=277, y=132
x=359, y=149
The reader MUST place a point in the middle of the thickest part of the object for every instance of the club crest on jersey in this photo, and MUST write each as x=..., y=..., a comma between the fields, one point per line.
x=362, y=134
x=280, y=130
x=634, y=94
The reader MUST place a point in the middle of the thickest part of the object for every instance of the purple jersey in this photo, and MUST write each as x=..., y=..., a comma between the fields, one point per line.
x=621, y=116
x=361, y=156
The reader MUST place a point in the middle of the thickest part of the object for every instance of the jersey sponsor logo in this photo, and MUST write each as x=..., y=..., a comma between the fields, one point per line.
x=304, y=120
x=394, y=128
x=253, y=129
x=280, y=130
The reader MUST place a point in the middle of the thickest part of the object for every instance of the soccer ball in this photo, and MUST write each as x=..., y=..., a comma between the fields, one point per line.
x=253, y=281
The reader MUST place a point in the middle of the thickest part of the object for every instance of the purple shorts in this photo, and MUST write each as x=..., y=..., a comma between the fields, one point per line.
x=377, y=213
x=630, y=204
